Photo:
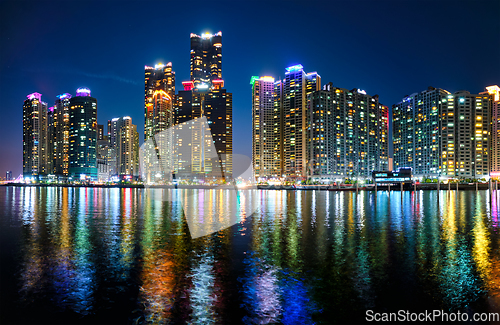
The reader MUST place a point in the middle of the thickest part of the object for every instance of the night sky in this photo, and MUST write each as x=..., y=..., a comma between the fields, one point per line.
x=390, y=48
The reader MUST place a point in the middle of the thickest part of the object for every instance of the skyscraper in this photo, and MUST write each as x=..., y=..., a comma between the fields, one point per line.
x=214, y=103
x=265, y=158
x=442, y=134
x=106, y=160
x=83, y=136
x=159, y=79
x=465, y=135
x=348, y=133
x=206, y=58
x=416, y=132
x=158, y=101
x=128, y=149
x=34, y=136
x=51, y=125
x=295, y=88
x=494, y=92
x=60, y=135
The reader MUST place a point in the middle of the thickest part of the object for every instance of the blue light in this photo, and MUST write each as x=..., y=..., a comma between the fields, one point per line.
x=462, y=100
x=64, y=96
x=295, y=68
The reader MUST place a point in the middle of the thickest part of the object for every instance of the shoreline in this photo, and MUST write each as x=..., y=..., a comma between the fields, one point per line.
x=422, y=186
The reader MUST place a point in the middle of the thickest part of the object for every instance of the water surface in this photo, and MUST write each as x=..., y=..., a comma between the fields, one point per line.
x=106, y=255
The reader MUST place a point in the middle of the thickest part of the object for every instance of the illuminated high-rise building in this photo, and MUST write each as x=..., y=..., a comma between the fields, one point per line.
x=158, y=114
x=437, y=133
x=278, y=123
x=159, y=79
x=128, y=149
x=265, y=129
x=105, y=159
x=219, y=112
x=214, y=103
x=348, y=134
x=59, y=134
x=35, y=152
x=51, y=126
x=206, y=58
x=113, y=127
x=494, y=92
x=295, y=88
x=416, y=132
x=83, y=136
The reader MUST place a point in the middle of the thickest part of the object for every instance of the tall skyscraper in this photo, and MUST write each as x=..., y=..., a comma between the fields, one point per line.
x=34, y=136
x=106, y=160
x=113, y=126
x=214, y=103
x=128, y=149
x=348, y=134
x=60, y=135
x=51, y=147
x=83, y=136
x=494, y=92
x=465, y=135
x=265, y=156
x=159, y=98
x=158, y=80
x=295, y=88
x=416, y=132
x=442, y=134
x=8, y=175
x=206, y=58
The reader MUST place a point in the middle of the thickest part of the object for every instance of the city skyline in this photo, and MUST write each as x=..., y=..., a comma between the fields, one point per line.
x=54, y=74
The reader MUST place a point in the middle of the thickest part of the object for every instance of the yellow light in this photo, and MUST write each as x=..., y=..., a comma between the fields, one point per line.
x=494, y=90
x=267, y=78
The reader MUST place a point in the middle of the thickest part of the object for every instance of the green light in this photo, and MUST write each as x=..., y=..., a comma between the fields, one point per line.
x=252, y=81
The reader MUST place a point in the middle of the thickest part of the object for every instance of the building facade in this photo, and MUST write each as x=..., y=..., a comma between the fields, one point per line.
x=128, y=149
x=106, y=161
x=437, y=133
x=35, y=141
x=83, y=136
x=416, y=132
x=204, y=152
x=60, y=135
x=296, y=86
x=348, y=134
x=157, y=80
x=494, y=92
x=265, y=160
x=206, y=58
x=158, y=104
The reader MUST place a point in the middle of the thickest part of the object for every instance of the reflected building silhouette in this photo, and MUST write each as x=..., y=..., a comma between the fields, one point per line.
x=92, y=253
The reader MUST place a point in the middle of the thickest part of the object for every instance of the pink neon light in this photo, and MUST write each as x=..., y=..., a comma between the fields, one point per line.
x=188, y=85
x=35, y=95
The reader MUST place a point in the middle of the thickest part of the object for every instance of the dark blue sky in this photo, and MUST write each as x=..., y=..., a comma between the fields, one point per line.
x=390, y=48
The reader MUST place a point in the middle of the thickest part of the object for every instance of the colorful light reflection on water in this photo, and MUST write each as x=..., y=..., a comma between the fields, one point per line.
x=83, y=255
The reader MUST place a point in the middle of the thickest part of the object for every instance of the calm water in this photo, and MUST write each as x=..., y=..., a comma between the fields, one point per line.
x=88, y=256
